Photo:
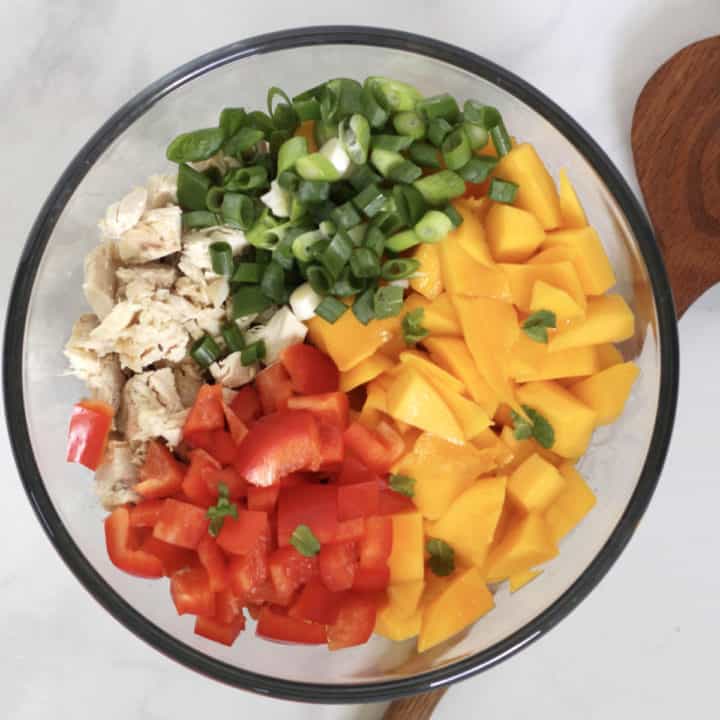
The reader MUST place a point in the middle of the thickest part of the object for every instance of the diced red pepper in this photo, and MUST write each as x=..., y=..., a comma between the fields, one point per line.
x=161, y=475
x=262, y=498
x=294, y=479
x=213, y=560
x=242, y=535
x=391, y=439
x=330, y=407
x=228, y=476
x=90, y=424
x=172, y=557
x=350, y=529
x=358, y=500
x=238, y=429
x=353, y=471
x=223, y=447
x=338, y=562
x=145, y=514
x=310, y=370
x=376, y=545
x=246, y=404
x=316, y=603
x=214, y=629
x=289, y=570
x=371, y=579
x=228, y=606
x=191, y=593
x=194, y=485
x=207, y=413
x=311, y=505
x=117, y=540
x=392, y=502
x=274, y=626
x=355, y=622
x=248, y=573
x=369, y=448
x=274, y=388
x=181, y=524
x=332, y=447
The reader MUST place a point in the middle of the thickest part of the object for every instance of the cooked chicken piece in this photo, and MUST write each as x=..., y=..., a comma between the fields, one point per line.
x=123, y=215
x=194, y=292
x=245, y=321
x=188, y=379
x=155, y=236
x=157, y=274
x=230, y=371
x=195, y=259
x=99, y=285
x=282, y=330
x=117, y=475
x=161, y=190
x=211, y=320
x=218, y=291
x=103, y=337
x=151, y=408
x=102, y=375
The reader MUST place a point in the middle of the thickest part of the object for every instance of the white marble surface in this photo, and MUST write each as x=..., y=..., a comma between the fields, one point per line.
x=643, y=644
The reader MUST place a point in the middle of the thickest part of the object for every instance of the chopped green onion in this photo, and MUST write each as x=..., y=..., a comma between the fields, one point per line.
x=357, y=234
x=248, y=272
x=316, y=166
x=393, y=143
x=456, y=149
x=213, y=173
x=363, y=176
x=238, y=210
x=404, y=172
x=304, y=541
x=476, y=134
x=283, y=115
x=399, y=268
x=412, y=326
x=244, y=139
x=502, y=191
x=327, y=229
x=354, y=134
x=204, y=351
x=401, y=204
x=414, y=202
x=261, y=121
x=363, y=307
x=331, y=309
x=438, y=130
x=324, y=131
x=233, y=338
x=347, y=284
x=402, y=484
x=195, y=146
x=370, y=200
x=347, y=98
x=341, y=192
x=337, y=254
x=345, y=216
x=536, y=325
x=283, y=254
x=313, y=191
x=221, y=258
x=440, y=187
x=192, y=188
x=246, y=178
x=375, y=240
x=393, y=95
x=307, y=109
x=263, y=255
x=501, y=139
x=320, y=279
x=214, y=199
x=289, y=153
x=376, y=114
x=384, y=160
x=477, y=168
x=267, y=231
x=439, y=106
x=410, y=123
x=387, y=222
x=388, y=301
x=433, y=226
x=231, y=120
x=455, y=217
x=489, y=118
x=273, y=283
x=249, y=300
x=424, y=154
x=402, y=241
x=364, y=263
x=199, y=219
x=288, y=180
x=253, y=352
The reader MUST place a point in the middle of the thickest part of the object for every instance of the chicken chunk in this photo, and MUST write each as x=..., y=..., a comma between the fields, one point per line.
x=188, y=380
x=157, y=275
x=282, y=330
x=230, y=371
x=195, y=259
x=156, y=235
x=124, y=215
x=161, y=190
x=99, y=285
x=116, y=477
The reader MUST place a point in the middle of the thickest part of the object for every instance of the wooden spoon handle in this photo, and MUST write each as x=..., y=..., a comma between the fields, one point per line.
x=417, y=707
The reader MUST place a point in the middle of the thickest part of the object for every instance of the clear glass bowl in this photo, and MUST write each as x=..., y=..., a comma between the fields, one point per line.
x=622, y=465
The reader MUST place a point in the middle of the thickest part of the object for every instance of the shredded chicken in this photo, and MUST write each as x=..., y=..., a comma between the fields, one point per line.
x=230, y=371
x=161, y=190
x=117, y=475
x=99, y=285
x=188, y=380
x=282, y=330
x=195, y=258
x=157, y=275
x=156, y=235
x=123, y=215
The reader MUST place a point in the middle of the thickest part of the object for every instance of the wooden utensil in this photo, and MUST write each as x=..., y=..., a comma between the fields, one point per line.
x=676, y=147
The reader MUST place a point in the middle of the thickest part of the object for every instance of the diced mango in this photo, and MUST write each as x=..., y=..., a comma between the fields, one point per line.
x=442, y=471
x=422, y=363
x=439, y=317
x=365, y=371
x=522, y=279
x=370, y=417
x=522, y=578
x=513, y=234
x=547, y=297
x=428, y=282
x=453, y=355
x=607, y=356
x=414, y=400
x=573, y=215
x=530, y=360
x=527, y=543
x=588, y=256
x=394, y=346
x=375, y=397
x=608, y=319
x=394, y=627
x=607, y=391
x=470, y=234
x=571, y=506
x=472, y=418
x=407, y=558
x=404, y=597
x=463, y=600
x=523, y=449
x=536, y=192
x=478, y=205
x=469, y=524
x=572, y=421
x=535, y=484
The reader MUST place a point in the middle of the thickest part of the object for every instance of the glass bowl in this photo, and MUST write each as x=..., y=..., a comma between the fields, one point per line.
x=622, y=466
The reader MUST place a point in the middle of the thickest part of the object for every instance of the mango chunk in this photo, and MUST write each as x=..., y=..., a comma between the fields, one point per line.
x=439, y=317
x=607, y=356
x=413, y=400
x=607, y=391
x=608, y=319
x=573, y=215
x=394, y=627
x=547, y=297
x=453, y=355
x=522, y=578
x=460, y=603
x=535, y=484
x=522, y=279
x=442, y=471
x=572, y=421
x=588, y=256
x=407, y=559
x=429, y=282
x=469, y=523
x=479, y=206
x=365, y=371
x=470, y=234
x=527, y=543
x=423, y=364
x=571, y=505
x=472, y=418
x=536, y=192
x=530, y=360
x=501, y=452
x=523, y=449
x=512, y=234
x=375, y=397
x=404, y=597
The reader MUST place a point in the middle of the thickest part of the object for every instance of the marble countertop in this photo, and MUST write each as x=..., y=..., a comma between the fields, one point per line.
x=643, y=644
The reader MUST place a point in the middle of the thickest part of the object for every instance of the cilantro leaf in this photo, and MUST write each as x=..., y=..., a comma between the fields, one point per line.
x=304, y=541
x=522, y=428
x=413, y=330
x=536, y=326
x=222, y=509
x=403, y=484
x=442, y=557
x=535, y=426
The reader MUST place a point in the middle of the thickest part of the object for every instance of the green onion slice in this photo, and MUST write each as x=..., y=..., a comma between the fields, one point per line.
x=502, y=191
x=388, y=301
x=363, y=307
x=233, y=337
x=399, y=268
x=204, y=351
x=331, y=309
x=221, y=258
x=354, y=134
x=253, y=352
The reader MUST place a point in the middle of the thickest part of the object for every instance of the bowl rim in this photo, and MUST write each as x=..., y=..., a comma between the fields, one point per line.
x=17, y=318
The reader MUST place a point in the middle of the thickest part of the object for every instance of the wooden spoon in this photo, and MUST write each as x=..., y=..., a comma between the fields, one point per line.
x=676, y=147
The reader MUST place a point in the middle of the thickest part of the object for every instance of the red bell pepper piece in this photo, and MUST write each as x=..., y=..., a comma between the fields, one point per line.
x=332, y=407
x=313, y=505
x=274, y=388
x=181, y=524
x=191, y=593
x=89, y=429
x=274, y=626
x=161, y=475
x=338, y=563
x=117, y=540
x=310, y=370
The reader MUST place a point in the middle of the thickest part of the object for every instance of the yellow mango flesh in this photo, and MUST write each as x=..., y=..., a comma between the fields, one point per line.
x=392, y=626
x=472, y=418
x=439, y=317
x=513, y=234
x=547, y=297
x=607, y=356
x=527, y=543
x=470, y=235
x=522, y=578
x=375, y=397
x=607, y=391
x=469, y=523
x=523, y=449
x=573, y=215
x=608, y=319
x=572, y=421
x=522, y=279
x=536, y=192
x=530, y=360
x=429, y=283
x=413, y=400
x=423, y=364
x=588, y=256
x=490, y=441
x=535, y=484
x=365, y=371
x=462, y=601
x=571, y=505
x=407, y=559
x=404, y=597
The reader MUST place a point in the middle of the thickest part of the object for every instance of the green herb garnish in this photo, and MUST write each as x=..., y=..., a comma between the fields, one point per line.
x=442, y=557
x=412, y=327
x=403, y=484
x=536, y=326
x=222, y=509
x=534, y=426
x=304, y=541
